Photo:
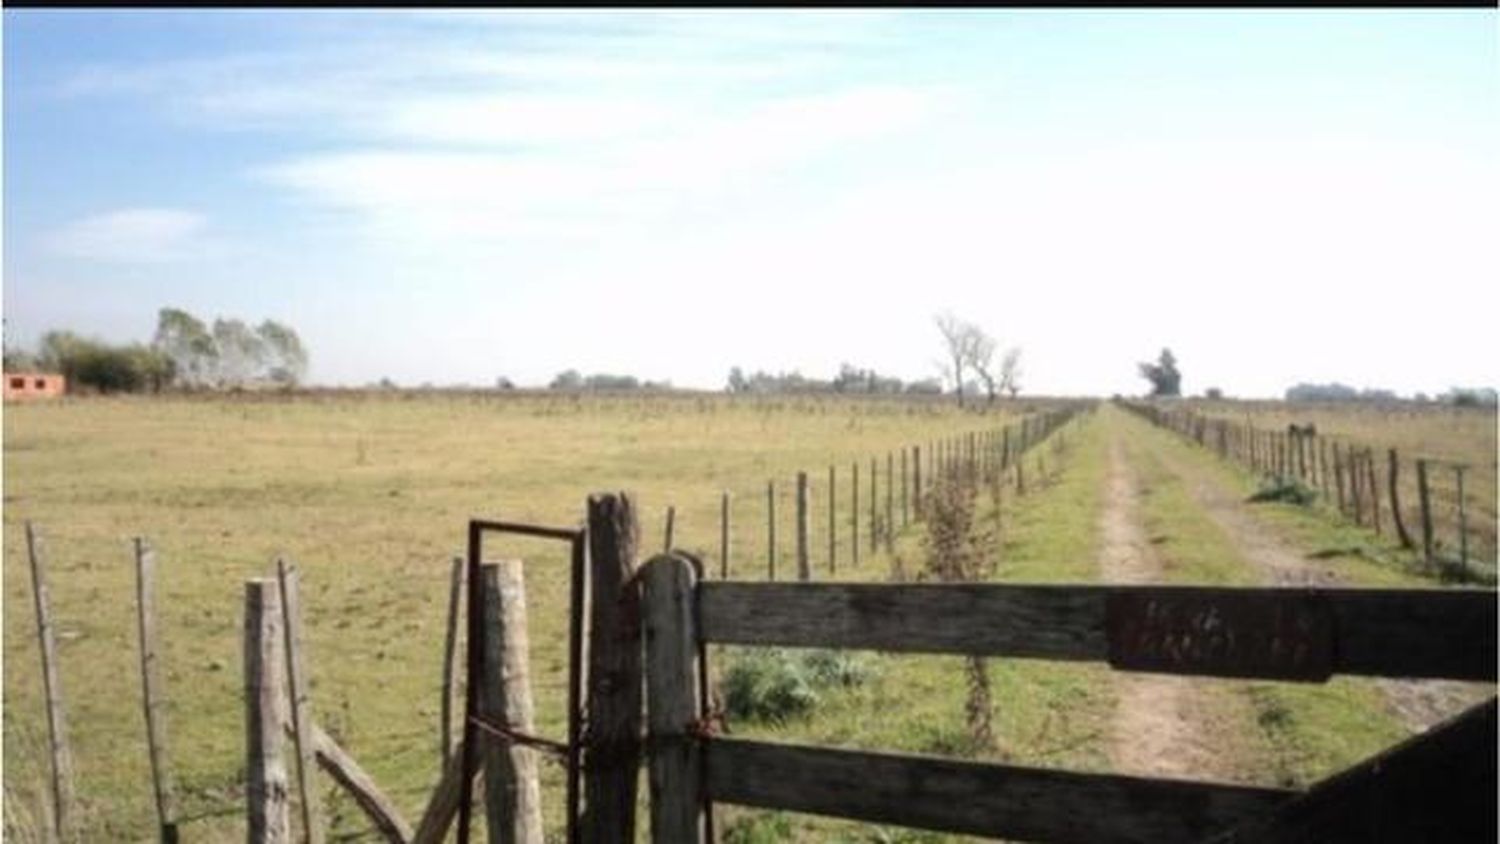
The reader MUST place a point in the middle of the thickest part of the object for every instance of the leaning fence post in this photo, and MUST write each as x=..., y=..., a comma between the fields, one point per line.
x=677, y=799
x=1426, y=504
x=266, y=784
x=804, y=565
x=611, y=763
x=1394, y=464
x=671, y=520
x=450, y=655
x=62, y=760
x=512, y=792
x=151, y=693
x=301, y=707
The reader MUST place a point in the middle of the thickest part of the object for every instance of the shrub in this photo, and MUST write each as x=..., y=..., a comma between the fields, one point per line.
x=1285, y=489
x=776, y=685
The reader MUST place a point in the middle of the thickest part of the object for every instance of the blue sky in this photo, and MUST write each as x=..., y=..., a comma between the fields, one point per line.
x=449, y=197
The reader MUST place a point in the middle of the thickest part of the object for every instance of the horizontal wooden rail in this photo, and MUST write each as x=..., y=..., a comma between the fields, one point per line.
x=1033, y=804
x=1265, y=633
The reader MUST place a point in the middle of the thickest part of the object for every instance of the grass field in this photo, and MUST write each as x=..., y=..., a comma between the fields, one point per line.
x=370, y=496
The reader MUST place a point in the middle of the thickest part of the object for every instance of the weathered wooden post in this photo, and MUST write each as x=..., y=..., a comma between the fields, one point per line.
x=890, y=502
x=266, y=785
x=310, y=801
x=676, y=775
x=1463, y=522
x=1372, y=488
x=770, y=529
x=611, y=757
x=450, y=656
x=874, y=525
x=1394, y=465
x=854, y=513
x=1356, y=484
x=151, y=690
x=724, y=535
x=916, y=480
x=512, y=791
x=804, y=564
x=57, y=737
x=671, y=521
x=1338, y=473
x=905, y=503
x=1425, y=502
x=833, y=530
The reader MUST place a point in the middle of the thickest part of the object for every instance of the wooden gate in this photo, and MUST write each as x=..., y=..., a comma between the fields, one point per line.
x=1438, y=786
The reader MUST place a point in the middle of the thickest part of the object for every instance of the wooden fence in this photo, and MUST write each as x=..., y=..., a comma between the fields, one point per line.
x=1422, y=502
x=1439, y=786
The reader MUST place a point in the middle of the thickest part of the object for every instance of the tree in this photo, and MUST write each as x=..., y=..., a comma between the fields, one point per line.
x=184, y=339
x=1010, y=371
x=980, y=348
x=567, y=380
x=959, y=338
x=737, y=382
x=283, y=352
x=1163, y=375
x=241, y=352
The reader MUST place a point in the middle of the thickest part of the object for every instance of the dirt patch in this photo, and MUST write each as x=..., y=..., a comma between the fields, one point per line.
x=1417, y=703
x=1159, y=728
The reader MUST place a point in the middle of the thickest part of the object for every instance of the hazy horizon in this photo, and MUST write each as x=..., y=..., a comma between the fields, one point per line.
x=451, y=197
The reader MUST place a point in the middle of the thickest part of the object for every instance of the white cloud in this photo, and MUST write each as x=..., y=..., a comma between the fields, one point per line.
x=132, y=236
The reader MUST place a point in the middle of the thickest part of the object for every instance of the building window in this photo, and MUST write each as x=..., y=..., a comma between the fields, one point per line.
x=41, y=383
x=18, y=383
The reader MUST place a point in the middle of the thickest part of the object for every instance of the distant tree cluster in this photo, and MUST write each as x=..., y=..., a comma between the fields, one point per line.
x=850, y=380
x=1335, y=392
x=230, y=353
x=184, y=352
x=572, y=379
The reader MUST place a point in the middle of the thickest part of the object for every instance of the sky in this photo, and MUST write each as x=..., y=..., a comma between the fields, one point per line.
x=451, y=197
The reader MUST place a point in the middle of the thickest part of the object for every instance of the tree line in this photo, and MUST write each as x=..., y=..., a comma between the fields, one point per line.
x=185, y=352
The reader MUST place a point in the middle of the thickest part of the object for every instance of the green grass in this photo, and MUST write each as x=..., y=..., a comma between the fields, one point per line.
x=370, y=496
x=1291, y=734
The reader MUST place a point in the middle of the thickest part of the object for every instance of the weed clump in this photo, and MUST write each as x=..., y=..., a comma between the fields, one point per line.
x=775, y=685
x=1289, y=490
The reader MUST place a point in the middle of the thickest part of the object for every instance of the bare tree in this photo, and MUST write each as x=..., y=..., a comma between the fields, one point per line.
x=981, y=351
x=1010, y=371
x=958, y=339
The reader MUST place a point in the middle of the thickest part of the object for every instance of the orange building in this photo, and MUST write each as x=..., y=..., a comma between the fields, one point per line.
x=29, y=385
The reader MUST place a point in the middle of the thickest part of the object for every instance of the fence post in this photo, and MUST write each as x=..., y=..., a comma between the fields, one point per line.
x=833, y=530
x=450, y=656
x=1394, y=465
x=724, y=535
x=512, y=792
x=854, y=513
x=916, y=480
x=905, y=490
x=301, y=707
x=265, y=773
x=890, y=502
x=1463, y=521
x=62, y=760
x=1426, y=504
x=1356, y=484
x=1373, y=488
x=770, y=530
x=677, y=799
x=804, y=565
x=1338, y=473
x=611, y=762
x=151, y=694
x=671, y=522
x=874, y=490
x=1323, y=465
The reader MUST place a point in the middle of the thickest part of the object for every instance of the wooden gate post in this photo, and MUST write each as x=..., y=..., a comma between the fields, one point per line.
x=57, y=736
x=266, y=785
x=512, y=792
x=677, y=798
x=151, y=692
x=450, y=657
x=611, y=753
x=310, y=804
